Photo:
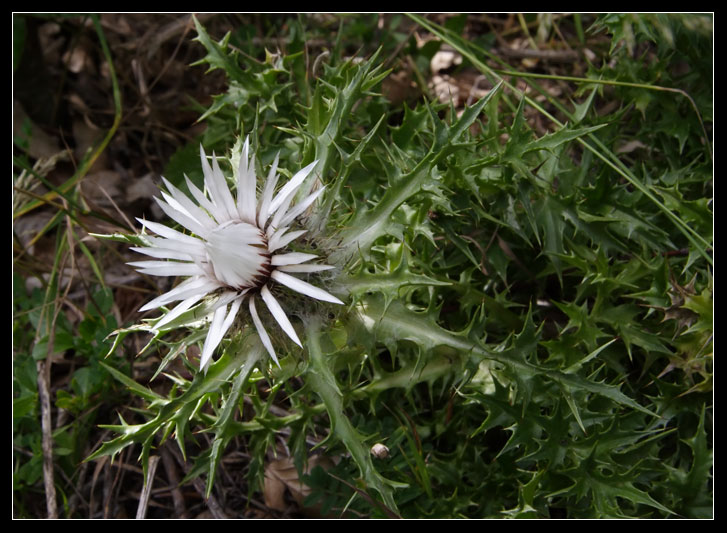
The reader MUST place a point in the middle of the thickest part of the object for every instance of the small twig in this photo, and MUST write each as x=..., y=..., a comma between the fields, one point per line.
x=100, y=462
x=564, y=56
x=475, y=86
x=212, y=503
x=482, y=253
x=47, y=436
x=186, y=25
x=43, y=368
x=317, y=62
x=77, y=484
x=116, y=207
x=114, y=490
x=138, y=72
x=181, y=25
x=400, y=46
x=146, y=491
x=524, y=27
x=510, y=254
x=367, y=497
x=170, y=469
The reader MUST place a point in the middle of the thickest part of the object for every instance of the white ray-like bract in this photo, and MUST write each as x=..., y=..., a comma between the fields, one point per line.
x=235, y=249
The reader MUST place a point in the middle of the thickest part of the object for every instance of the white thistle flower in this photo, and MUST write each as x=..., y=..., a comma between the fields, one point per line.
x=234, y=250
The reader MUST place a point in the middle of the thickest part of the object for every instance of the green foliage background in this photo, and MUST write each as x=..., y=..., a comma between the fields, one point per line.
x=529, y=321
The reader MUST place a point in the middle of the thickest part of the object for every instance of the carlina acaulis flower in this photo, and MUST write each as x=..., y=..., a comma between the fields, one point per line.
x=236, y=248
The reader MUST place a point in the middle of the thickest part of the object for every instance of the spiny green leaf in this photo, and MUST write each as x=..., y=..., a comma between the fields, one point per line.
x=217, y=56
x=324, y=383
x=398, y=322
x=178, y=409
x=391, y=283
x=227, y=412
x=141, y=391
x=556, y=139
x=368, y=225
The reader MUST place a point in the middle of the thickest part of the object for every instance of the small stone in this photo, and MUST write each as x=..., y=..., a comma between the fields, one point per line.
x=379, y=451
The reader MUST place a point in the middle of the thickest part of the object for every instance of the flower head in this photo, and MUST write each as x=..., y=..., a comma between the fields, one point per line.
x=235, y=250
